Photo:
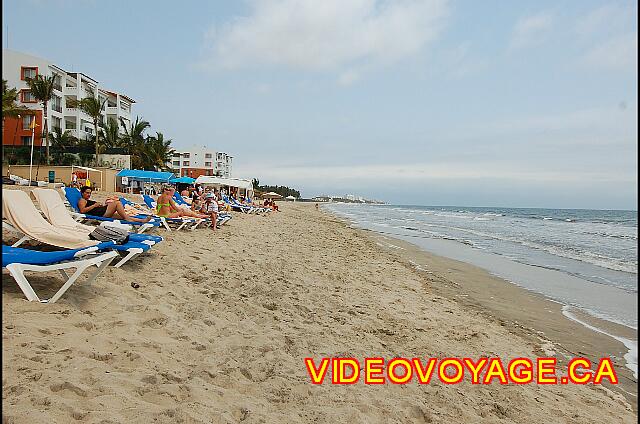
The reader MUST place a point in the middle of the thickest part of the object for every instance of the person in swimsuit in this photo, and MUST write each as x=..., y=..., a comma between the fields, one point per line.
x=166, y=207
x=111, y=209
x=210, y=207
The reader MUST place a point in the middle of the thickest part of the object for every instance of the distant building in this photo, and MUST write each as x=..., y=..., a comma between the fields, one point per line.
x=200, y=160
x=17, y=67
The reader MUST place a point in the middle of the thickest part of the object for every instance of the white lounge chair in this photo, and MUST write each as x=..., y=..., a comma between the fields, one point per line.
x=17, y=261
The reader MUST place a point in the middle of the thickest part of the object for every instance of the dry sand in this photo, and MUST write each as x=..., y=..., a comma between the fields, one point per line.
x=218, y=329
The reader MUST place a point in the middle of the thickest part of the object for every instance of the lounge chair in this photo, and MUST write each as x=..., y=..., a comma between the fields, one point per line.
x=181, y=222
x=222, y=217
x=23, y=217
x=56, y=213
x=237, y=207
x=72, y=195
x=17, y=261
x=253, y=208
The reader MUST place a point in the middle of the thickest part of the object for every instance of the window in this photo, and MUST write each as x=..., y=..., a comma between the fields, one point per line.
x=27, y=97
x=57, y=82
x=28, y=72
x=207, y=164
x=176, y=154
x=56, y=123
x=207, y=155
x=56, y=103
x=26, y=140
x=185, y=163
x=186, y=155
x=176, y=163
x=26, y=121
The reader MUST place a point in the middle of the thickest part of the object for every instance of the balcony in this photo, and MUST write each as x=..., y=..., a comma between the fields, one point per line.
x=71, y=89
x=111, y=110
x=57, y=87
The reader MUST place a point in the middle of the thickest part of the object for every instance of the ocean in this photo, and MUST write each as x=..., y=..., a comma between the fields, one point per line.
x=593, y=253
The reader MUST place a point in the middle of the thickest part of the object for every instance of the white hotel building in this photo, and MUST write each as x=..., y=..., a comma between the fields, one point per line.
x=200, y=160
x=17, y=67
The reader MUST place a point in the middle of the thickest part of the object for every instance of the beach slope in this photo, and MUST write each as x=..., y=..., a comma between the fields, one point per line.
x=221, y=323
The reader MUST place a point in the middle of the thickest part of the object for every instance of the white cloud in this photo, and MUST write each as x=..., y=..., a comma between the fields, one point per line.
x=531, y=30
x=430, y=172
x=604, y=18
x=323, y=35
x=617, y=53
x=349, y=77
x=459, y=61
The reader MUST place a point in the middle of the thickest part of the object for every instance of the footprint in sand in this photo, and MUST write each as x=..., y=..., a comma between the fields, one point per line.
x=69, y=387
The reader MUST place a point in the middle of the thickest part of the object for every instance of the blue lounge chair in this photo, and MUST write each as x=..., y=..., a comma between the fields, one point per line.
x=22, y=217
x=237, y=207
x=17, y=261
x=53, y=209
x=72, y=195
x=180, y=222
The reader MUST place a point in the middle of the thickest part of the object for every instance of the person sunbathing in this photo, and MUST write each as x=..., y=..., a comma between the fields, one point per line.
x=166, y=207
x=112, y=208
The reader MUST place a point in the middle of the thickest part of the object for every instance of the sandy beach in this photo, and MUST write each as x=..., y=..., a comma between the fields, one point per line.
x=219, y=328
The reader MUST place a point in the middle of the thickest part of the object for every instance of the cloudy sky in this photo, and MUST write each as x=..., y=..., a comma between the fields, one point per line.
x=486, y=103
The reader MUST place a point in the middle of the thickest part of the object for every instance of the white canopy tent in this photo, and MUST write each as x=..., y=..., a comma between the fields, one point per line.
x=84, y=168
x=228, y=182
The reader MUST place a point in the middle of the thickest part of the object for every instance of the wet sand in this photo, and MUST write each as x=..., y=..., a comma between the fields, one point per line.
x=529, y=314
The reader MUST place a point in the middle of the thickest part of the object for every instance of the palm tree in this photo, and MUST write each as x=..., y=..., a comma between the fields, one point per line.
x=134, y=140
x=41, y=88
x=60, y=140
x=158, y=151
x=9, y=106
x=93, y=107
x=110, y=134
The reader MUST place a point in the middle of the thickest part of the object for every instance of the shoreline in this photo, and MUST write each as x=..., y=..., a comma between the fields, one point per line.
x=541, y=320
x=219, y=326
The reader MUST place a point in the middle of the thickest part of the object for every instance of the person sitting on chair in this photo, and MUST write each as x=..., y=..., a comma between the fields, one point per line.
x=111, y=209
x=166, y=207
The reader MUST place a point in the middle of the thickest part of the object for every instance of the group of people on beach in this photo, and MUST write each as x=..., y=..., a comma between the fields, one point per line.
x=200, y=203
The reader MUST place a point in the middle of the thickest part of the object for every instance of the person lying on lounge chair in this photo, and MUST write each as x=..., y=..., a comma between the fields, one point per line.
x=196, y=205
x=111, y=209
x=167, y=208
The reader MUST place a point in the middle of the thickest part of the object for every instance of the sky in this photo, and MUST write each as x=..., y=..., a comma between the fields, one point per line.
x=433, y=102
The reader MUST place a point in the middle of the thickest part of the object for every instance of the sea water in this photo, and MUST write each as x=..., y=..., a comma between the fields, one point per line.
x=592, y=253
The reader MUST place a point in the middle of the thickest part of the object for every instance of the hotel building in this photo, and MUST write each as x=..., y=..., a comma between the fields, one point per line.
x=200, y=160
x=17, y=67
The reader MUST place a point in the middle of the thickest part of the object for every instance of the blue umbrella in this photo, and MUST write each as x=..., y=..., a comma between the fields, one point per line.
x=183, y=180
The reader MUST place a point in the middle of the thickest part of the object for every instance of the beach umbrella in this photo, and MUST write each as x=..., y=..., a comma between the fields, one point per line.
x=271, y=194
x=182, y=180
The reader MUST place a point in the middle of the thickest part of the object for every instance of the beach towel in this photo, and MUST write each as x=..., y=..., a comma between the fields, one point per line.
x=53, y=207
x=21, y=213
